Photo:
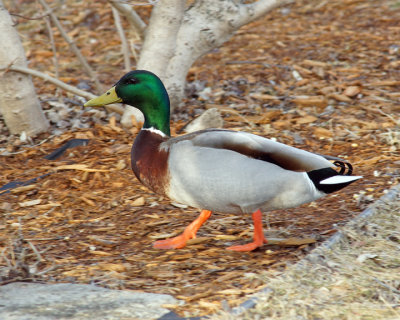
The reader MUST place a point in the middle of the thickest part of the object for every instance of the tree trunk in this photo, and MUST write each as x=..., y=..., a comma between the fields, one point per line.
x=206, y=25
x=159, y=44
x=19, y=105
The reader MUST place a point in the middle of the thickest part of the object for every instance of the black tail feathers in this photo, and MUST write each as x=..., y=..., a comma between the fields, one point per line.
x=329, y=180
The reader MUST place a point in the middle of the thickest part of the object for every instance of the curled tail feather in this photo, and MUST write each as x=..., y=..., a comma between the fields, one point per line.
x=329, y=180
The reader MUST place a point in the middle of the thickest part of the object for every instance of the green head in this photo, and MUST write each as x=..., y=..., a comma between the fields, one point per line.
x=143, y=90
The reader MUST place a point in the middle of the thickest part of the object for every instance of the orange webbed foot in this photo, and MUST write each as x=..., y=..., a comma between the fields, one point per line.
x=179, y=242
x=171, y=243
x=259, y=238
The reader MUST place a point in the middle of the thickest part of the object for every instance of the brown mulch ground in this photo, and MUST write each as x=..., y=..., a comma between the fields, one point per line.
x=323, y=76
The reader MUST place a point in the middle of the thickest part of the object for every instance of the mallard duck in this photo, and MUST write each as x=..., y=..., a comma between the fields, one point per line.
x=216, y=169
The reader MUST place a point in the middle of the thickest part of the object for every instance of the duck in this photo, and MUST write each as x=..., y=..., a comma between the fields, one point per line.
x=219, y=170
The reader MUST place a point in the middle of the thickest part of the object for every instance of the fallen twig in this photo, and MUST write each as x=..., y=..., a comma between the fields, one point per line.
x=35, y=251
x=62, y=85
x=53, y=46
x=28, y=18
x=134, y=20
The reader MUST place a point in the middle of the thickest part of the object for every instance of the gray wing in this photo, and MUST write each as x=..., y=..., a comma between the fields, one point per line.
x=260, y=148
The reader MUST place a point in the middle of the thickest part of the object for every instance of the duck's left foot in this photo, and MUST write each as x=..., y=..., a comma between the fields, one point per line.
x=259, y=238
x=172, y=243
x=189, y=233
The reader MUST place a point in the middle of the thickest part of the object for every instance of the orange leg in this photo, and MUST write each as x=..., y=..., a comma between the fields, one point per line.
x=259, y=238
x=189, y=233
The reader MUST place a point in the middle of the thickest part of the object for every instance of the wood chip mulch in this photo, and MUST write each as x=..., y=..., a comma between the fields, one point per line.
x=322, y=76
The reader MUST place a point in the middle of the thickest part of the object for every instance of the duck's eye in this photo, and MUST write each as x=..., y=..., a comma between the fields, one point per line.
x=133, y=81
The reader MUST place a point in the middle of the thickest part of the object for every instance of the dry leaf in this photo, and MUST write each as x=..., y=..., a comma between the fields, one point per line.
x=113, y=124
x=293, y=241
x=117, y=184
x=103, y=242
x=226, y=237
x=363, y=257
x=163, y=235
x=281, y=124
x=118, y=148
x=101, y=253
x=138, y=202
x=196, y=296
x=269, y=116
x=328, y=90
x=309, y=101
x=263, y=96
x=372, y=161
x=213, y=306
x=44, y=53
x=314, y=63
x=322, y=132
x=70, y=80
x=340, y=97
x=73, y=273
x=306, y=119
x=48, y=206
x=302, y=70
x=112, y=267
x=230, y=291
x=228, y=276
x=23, y=188
x=197, y=240
x=81, y=167
x=384, y=83
x=352, y=91
x=87, y=201
x=121, y=164
x=30, y=203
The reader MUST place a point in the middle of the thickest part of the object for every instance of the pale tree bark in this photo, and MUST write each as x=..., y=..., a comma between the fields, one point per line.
x=133, y=18
x=161, y=34
x=19, y=104
x=159, y=44
x=177, y=36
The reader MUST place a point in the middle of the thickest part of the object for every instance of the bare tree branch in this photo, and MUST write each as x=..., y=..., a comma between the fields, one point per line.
x=53, y=46
x=28, y=18
x=73, y=47
x=62, y=85
x=133, y=18
x=124, y=42
x=160, y=43
x=253, y=11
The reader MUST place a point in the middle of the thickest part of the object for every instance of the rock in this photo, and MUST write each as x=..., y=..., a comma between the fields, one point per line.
x=61, y=301
x=131, y=117
x=210, y=118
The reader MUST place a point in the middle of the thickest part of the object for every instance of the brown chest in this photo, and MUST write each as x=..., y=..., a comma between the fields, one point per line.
x=149, y=162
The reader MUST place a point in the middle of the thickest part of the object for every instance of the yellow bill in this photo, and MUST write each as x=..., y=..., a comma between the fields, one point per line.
x=109, y=97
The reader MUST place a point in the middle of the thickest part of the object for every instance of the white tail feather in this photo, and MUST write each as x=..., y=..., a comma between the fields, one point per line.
x=340, y=179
